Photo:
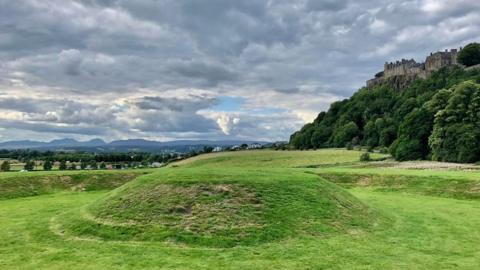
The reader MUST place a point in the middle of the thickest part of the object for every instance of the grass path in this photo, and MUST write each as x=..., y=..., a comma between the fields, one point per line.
x=427, y=233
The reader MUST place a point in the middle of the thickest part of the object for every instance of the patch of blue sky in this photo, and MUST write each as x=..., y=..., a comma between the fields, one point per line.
x=229, y=104
x=267, y=110
x=235, y=104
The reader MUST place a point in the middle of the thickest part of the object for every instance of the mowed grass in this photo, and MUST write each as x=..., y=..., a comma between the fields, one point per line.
x=441, y=183
x=415, y=229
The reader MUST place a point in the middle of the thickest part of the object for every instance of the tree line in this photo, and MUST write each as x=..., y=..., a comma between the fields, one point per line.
x=83, y=160
x=26, y=154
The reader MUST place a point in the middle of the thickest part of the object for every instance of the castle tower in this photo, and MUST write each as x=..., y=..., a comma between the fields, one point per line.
x=439, y=60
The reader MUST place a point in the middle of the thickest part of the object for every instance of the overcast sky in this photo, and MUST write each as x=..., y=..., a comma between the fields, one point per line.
x=210, y=69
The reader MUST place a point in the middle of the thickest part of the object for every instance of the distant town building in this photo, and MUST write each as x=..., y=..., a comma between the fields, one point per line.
x=217, y=149
x=156, y=165
x=255, y=146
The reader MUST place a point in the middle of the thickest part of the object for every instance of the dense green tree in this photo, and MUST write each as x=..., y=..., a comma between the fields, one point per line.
x=207, y=149
x=470, y=55
x=63, y=165
x=320, y=136
x=370, y=134
x=73, y=166
x=5, y=167
x=93, y=165
x=83, y=165
x=456, y=133
x=413, y=136
x=47, y=165
x=103, y=166
x=29, y=165
x=345, y=134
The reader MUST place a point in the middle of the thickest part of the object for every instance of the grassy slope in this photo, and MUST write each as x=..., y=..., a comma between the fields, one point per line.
x=17, y=184
x=276, y=159
x=428, y=232
x=453, y=184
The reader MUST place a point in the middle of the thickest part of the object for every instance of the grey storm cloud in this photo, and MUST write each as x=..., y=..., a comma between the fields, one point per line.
x=193, y=103
x=69, y=64
x=145, y=114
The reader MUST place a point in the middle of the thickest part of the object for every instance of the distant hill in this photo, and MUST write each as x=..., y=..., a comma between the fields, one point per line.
x=139, y=145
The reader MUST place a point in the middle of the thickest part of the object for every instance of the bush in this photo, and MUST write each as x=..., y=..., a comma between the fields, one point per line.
x=29, y=165
x=63, y=165
x=349, y=146
x=379, y=74
x=383, y=150
x=409, y=150
x=365, y=157
x=47, y=165
x=5, y=166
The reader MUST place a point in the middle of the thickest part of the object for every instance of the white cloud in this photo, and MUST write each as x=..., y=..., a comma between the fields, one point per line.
x=226, y=123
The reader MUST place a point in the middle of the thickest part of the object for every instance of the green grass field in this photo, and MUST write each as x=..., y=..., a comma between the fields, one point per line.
x=243, y=210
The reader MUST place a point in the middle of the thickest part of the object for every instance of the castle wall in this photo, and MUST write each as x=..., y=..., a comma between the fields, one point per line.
x=411, y=69
x=441, y=59
x=403, y=68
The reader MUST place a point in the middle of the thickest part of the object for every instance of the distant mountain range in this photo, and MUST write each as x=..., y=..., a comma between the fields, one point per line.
x=137, y=145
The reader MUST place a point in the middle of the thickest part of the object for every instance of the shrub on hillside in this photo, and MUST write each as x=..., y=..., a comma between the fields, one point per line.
x=365, y=157
x=349, y=146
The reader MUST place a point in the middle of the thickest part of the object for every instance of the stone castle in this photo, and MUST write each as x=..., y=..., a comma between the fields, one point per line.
x=408, y=70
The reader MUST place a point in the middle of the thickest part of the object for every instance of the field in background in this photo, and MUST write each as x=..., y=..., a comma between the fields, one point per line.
x=429, y=217
x=276, y=159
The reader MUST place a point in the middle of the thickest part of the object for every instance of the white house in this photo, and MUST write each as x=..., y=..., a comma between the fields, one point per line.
x=255, y=146
x=156, y=165
x=235, y=147
x=217, y=149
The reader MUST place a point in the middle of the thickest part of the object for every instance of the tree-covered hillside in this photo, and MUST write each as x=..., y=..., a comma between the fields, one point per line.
x=436, y=118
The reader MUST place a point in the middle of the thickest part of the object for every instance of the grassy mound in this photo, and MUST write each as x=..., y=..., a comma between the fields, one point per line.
x=220, y=208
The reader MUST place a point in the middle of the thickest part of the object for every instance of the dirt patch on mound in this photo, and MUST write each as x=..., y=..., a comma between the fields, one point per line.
x=199, y=208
